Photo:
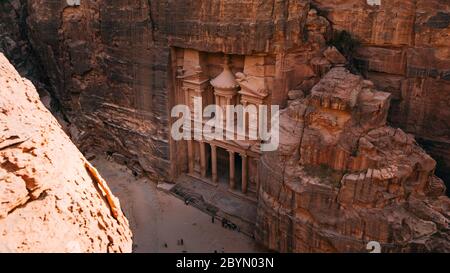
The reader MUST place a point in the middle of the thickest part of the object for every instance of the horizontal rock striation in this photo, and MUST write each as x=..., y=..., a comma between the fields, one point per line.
x=341, y=177
x=405, y=50
x=51, y=199
x=111, y=62
x=15, y=44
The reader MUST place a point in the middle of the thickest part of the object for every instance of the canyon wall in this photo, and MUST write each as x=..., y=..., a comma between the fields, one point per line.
x=405, y=50
x=112, y=66
x=110, y=62
x=342, y=178
x=51, y=198
x=14, y=40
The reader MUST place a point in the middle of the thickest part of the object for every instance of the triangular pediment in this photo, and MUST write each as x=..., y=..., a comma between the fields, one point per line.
x=196, y=77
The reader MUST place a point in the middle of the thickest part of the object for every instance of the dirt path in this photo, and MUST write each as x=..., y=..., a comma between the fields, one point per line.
x=158, y=220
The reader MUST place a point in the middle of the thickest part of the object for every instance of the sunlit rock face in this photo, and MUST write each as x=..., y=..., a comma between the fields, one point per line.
x=51, y=199
x=342, y=178
x=405, y=50
x=111, y=62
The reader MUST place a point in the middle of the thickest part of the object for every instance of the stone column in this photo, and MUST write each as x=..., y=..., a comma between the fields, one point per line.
x=227, y=116
x=191, y=156
x=232, y=180
x=214, y=163
x=216, y=100
x=244, y=173
x=203, y=159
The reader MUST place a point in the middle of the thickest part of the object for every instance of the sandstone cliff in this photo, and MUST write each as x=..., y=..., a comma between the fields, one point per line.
x=405, y=50
x=51, y=199
x=342, y=178
x=109, y=62
x=112, y=65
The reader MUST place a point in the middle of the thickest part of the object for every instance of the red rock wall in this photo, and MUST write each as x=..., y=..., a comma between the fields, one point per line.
x=110, y=62
x=15, y=45
x=342, y=178
x=49, y=200
x=405, y=50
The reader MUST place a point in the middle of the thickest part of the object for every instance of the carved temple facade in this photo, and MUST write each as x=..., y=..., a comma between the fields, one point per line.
x=222, y=80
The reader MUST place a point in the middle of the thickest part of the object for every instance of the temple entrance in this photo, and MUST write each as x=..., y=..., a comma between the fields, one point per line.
x=221, y=172
x=226, y=168
x=229, y=166
x=223, y=169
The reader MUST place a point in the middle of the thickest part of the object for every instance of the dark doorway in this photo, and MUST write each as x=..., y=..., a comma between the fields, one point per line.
x=223, y=165
x=238, y=171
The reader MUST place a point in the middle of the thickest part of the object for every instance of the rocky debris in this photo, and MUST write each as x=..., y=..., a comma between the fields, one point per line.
x=342, y=178
x=404, y=50
x=51, y=198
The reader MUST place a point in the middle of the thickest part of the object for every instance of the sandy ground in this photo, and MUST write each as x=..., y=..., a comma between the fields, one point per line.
x=159, y=220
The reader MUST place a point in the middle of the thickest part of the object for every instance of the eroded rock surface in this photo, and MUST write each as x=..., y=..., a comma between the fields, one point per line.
x=342, y=178
x=111, y=62
x=113, y=67
x=405, y=50
x=51, y=200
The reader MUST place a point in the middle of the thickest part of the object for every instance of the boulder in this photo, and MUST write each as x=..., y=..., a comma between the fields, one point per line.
x=51, y=198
